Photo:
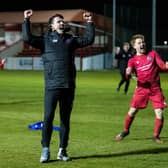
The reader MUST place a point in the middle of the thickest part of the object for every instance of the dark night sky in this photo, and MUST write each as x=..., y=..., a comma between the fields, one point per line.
x=96, y=6
x=18, y=5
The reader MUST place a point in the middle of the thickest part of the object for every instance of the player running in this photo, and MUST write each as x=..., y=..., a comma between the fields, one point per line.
x=146, y=66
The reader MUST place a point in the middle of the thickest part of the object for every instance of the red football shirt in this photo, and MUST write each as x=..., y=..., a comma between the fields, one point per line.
x=147, y=67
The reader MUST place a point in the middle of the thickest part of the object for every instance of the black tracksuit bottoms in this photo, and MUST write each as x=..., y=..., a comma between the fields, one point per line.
x=65, y=97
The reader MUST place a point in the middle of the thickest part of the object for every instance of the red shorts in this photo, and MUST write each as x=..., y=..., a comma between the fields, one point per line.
x=143, y=95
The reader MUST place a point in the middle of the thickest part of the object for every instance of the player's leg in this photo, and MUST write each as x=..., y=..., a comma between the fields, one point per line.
x=50, y=102
x=66, y=104
x=127, y=123
x=159, y=120
x=158, y=103
x=139, y=101
x=126, y=85
x=121, y=81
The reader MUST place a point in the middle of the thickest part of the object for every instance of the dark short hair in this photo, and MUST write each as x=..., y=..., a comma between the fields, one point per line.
x=50, y=21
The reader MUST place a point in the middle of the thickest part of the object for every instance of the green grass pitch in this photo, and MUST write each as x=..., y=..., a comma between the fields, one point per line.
x=97, y=117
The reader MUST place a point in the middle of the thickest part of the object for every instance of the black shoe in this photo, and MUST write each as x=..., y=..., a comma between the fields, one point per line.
x=121, y=136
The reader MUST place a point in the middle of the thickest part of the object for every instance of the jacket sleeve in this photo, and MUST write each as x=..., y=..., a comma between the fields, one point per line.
x=87, y=38
x=34, y=41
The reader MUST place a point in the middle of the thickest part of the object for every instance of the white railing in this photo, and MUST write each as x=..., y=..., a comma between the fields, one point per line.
x=12, y=50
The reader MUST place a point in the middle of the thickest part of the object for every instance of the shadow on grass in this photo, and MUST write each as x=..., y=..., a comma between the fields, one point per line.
x=149, y=138
x=56, y=160
x=19, y=102
x=137, y=152
x=121, y=154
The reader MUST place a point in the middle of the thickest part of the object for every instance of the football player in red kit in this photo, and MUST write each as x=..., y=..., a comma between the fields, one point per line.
x=146, y=66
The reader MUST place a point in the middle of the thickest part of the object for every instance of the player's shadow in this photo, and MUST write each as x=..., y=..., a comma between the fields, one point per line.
x=121, y=154
x=137, y=152
x=157, y=150
x=147, y=138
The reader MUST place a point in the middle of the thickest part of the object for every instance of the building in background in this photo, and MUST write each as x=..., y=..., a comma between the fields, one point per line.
x=131, y=17
x=97, y=56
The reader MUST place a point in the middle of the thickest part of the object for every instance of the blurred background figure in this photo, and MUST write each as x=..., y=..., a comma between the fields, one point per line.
x=123, y=55
x=2, y=62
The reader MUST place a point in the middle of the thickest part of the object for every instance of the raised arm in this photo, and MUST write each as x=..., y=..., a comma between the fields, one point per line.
x=34, y=41
x=162, y=65
x=89, y=35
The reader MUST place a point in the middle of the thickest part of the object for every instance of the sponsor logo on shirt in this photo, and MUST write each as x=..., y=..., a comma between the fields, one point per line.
x=144, y=68
x=149, y=58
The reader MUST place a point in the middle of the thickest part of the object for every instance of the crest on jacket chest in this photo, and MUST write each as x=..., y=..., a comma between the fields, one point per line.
x=54, y=40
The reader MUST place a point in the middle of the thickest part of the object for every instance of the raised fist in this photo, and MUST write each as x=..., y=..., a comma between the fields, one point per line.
x=87, y=16
x=28, y=13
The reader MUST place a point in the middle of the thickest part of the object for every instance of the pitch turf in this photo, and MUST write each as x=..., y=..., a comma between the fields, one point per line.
x=98, y=115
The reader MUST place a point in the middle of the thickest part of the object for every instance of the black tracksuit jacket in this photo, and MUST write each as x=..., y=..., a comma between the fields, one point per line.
x=58, y=52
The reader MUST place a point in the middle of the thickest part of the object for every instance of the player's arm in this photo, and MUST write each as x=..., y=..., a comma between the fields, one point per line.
x=128, y=72
x=162, y=65
x=89, y=35
x=130, y=68
x=33, y=40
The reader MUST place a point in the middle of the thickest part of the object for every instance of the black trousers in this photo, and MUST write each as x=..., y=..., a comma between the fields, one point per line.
x=65, y=98
x=124, y=80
